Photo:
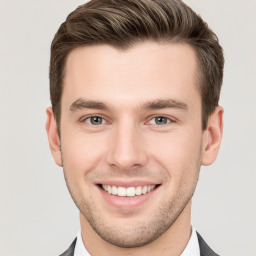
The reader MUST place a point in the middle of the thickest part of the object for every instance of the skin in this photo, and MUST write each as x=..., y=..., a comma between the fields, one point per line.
x=136, y=85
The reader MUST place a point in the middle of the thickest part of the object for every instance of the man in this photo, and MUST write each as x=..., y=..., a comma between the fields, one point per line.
x=134, y=88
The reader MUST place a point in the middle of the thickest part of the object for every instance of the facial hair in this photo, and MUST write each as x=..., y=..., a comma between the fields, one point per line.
x=144, y=232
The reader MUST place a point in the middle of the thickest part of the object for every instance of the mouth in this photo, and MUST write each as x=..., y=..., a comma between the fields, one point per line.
x=128, y=191
x=128, y=195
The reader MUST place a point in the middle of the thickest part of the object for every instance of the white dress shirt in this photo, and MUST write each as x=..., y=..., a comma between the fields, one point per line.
x=192, y=248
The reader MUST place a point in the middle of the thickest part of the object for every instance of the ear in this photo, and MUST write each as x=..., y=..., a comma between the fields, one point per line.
x=53, y=136
x=212, y=137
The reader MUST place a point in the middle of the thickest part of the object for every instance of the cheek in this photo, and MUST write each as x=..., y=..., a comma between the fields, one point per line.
x=81, y=152
x=178, y=153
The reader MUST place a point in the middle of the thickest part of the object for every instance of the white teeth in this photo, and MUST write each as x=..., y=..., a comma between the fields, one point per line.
x=109, y=189
x=129, y=192
x=121, y=191
x=114, y=190
x=138, y=191
x=144, y=190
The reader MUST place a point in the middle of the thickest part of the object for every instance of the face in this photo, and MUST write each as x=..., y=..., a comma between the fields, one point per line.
x=131, y=137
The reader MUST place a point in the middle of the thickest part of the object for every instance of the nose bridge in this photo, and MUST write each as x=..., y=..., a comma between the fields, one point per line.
x=127, y=150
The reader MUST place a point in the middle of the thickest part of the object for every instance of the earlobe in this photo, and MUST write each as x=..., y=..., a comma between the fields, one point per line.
x=212, y=137
x=53, y=136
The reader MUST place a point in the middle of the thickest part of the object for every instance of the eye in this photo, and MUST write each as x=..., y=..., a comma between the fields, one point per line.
x=95, y=120
x=159, y=120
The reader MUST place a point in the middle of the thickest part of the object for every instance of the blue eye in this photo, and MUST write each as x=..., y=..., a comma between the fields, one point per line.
x=159, y=120
x=95, y=120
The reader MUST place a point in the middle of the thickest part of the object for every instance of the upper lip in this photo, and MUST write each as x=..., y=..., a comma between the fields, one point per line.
x=127, y=184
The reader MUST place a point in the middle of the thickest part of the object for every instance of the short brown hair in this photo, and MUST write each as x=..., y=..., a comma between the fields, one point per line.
x=123, y=23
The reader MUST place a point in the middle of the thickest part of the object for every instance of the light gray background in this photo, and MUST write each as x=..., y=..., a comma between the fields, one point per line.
x=37, y=215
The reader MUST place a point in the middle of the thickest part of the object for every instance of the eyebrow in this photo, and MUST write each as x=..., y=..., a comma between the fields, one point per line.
x=150, y=105
x=83, y=104
x=164, y=103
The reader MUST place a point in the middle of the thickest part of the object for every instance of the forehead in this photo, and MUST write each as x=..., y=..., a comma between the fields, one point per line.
x=143, y=72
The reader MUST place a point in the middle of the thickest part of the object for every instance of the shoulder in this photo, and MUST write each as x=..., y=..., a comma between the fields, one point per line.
x=205, y=250
x=70, y=250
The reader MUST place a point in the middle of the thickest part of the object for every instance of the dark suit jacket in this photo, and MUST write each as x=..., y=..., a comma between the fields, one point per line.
x=205, y=250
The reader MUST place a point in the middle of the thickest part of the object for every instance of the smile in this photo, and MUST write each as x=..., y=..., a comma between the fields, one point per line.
x=128, y=192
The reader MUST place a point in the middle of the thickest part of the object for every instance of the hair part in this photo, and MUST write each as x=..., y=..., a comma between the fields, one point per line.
x=123, y=24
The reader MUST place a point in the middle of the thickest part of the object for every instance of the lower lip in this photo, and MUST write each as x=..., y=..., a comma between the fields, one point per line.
x=126, y=201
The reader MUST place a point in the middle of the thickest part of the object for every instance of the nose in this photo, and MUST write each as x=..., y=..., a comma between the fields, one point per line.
x=127, y=150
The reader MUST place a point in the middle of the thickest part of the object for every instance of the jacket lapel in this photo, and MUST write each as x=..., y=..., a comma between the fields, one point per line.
x=205, y=250
x=70, y=250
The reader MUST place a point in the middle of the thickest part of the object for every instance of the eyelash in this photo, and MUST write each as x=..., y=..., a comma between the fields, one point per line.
x=83, y=120
x=168, y=120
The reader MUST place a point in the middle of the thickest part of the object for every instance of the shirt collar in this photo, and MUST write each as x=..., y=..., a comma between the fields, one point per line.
x=192, y=248
x=80, y=248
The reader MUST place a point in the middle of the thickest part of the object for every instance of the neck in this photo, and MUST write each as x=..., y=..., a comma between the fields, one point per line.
x=172, y=242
